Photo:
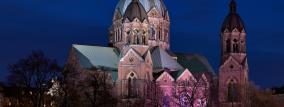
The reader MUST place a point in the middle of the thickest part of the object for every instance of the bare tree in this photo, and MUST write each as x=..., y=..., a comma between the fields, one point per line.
x=187, y=92
x=262, y=98
x=32, y=74
x=154, y=94
x=89, y=88
x=69, y=78
x=97, y=88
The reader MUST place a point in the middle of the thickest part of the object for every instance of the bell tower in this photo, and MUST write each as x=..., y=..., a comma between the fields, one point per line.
x=233, y=71
x=131, y=36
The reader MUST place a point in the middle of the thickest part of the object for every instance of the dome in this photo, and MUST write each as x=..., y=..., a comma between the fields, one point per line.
x=147, y=4
x=233, y=20
x=135, y=10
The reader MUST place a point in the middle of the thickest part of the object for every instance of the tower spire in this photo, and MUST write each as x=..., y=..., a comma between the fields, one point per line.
x=233, y=6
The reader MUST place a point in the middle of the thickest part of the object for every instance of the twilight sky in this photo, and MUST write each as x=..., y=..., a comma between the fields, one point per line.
x=53, y=25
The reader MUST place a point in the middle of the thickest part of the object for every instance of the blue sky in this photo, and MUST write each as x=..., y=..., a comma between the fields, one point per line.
x=53, y=25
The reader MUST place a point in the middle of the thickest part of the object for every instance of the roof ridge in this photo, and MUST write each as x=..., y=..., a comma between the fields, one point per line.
x=92, y=45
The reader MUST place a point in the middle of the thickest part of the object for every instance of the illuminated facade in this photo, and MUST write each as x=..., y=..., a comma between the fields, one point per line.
x=141, y=64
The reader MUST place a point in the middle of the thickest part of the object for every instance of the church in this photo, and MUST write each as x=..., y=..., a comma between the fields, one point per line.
x=139, y=56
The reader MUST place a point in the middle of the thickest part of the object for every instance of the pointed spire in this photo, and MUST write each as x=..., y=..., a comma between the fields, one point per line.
x=233, y=6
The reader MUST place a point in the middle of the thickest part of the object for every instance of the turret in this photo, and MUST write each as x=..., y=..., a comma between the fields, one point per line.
x=233, y=70
x=233, y=35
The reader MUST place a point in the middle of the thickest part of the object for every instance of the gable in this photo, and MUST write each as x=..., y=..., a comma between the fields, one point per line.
x=154, y=13
x=165, y=77
x=186, y=75
x=195, y=63
x=162, y=60
x=131, y=57
x=239, y=57
x=230, y=63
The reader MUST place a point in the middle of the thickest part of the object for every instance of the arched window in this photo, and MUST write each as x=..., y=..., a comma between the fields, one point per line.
x=129, y=87
x=232, y=91
x=135, y=39
x=159, y=34
x=115, y=34
x=235, y=46
x=118, y=33
x=138, y=40
x=153, y=33
x=144, y=40
x=132, y=85
x=128, y=40
x=228, y=46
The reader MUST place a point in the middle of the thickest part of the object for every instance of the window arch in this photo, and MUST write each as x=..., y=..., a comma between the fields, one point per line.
x=235, y=46
x=153, y=33
x=232, y=91
x=136, y=40
x=131, y=84
x=128, y=39
x=119, y=35
x=115, y=34
x=144, y=40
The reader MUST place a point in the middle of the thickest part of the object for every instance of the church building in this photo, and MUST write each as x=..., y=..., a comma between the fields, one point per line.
x=233, y=71
x=141, y=64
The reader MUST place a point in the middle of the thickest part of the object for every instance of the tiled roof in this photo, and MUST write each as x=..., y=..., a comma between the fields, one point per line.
x=176, y=74
x=108, y=58
x=96, y=56
x=195, y=63
x=162, y=60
